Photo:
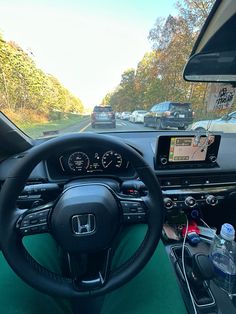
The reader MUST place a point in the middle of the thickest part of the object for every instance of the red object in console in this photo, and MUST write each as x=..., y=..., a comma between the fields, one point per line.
x=192, y=227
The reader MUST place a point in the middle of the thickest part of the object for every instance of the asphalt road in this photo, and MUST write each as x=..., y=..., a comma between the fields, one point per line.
x=121, y=125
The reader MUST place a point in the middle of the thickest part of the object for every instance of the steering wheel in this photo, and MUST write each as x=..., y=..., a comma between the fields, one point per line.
x=85, y=219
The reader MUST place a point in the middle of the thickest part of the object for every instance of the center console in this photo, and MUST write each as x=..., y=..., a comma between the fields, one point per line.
x=208, y=297
x=191, y=192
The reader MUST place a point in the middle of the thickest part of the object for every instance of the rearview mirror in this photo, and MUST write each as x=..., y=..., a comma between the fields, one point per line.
x=212, y=67
x=213, y=58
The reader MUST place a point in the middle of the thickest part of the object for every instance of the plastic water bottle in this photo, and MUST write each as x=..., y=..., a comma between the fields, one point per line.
x=223, y=256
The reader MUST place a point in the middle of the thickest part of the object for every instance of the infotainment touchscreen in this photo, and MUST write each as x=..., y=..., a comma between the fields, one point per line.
x=187, y=151
x=184, y=149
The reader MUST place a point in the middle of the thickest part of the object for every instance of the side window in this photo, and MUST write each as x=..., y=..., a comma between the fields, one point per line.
x=166, y=107
x=162, y=107
x=158, y=108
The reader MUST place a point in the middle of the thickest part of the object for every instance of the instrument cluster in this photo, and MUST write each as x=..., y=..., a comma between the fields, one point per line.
x=80, y=162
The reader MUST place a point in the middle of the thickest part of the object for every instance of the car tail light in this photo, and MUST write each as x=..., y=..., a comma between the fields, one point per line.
x=166, y=113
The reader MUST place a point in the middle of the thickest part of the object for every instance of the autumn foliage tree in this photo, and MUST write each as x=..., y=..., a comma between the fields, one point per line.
x=159, y=75
x=26, y=88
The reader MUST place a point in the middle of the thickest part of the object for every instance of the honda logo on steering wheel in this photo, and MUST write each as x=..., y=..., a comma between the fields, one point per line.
x=83, y=224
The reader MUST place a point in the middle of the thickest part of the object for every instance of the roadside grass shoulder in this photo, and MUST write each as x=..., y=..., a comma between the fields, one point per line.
x=36, y=130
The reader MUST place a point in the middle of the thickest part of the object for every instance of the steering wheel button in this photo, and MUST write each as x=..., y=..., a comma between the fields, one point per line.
x=134, y=204
x=43, y=214
x=25, y=222
x=140, y=209
x=141, y=217
x=34, y=229
x=34, y=221
x=125, y=205
x=24, y=225
x=43, y=228
x=133, y=210
x=128, y=218
x=42, y=220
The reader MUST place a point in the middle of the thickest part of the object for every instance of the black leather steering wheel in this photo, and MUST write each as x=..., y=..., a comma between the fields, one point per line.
x=84, y=219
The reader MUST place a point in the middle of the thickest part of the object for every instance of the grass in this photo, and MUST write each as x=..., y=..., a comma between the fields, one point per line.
x=36, y=130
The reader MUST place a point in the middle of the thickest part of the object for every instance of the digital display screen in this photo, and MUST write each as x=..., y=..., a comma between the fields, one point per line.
x=184, y=149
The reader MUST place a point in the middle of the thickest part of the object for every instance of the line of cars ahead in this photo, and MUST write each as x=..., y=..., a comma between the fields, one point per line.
x=183, y=119
x=162, y=116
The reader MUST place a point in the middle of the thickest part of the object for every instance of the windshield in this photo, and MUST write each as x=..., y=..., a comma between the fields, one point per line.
x=86, y=66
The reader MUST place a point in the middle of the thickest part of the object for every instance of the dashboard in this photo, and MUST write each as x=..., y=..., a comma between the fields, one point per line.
x=182, y=151
x=179, y=175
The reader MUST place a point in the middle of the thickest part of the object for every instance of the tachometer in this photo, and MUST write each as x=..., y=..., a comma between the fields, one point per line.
x=111, y=159
x=78, y=162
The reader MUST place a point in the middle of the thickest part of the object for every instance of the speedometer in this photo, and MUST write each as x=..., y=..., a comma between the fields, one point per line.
x=78, y=162
x=111, y=159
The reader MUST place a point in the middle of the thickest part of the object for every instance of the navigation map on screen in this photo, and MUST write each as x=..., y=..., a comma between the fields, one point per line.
x=183, y=149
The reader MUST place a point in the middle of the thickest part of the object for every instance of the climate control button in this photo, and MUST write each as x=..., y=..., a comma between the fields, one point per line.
x=163, y=160
x=168, y=203
x=212, y=200
x=190, y=201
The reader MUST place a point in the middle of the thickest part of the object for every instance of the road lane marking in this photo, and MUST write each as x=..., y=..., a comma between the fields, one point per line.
x=84, y=128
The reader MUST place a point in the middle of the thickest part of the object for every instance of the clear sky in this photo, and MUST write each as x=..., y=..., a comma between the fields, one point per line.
x=85, y=44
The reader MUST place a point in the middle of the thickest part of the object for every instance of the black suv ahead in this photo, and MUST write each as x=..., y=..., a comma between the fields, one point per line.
x=169, y=114
x=103, y=115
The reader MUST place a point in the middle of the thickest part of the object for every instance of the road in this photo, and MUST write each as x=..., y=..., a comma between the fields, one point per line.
x=121, y=125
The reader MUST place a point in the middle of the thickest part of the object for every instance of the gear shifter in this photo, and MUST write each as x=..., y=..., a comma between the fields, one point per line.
x=202, y=269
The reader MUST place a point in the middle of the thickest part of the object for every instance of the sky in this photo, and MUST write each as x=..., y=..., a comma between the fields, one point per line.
x=85, y=44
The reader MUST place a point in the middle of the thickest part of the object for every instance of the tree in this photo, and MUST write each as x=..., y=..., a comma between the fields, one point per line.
x=194, y=12
x=158, y=76
x=25, y=87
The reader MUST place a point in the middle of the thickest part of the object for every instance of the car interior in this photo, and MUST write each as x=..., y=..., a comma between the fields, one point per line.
x=94, y=222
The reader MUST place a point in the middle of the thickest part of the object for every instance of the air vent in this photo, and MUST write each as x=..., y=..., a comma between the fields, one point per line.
x=218, y=179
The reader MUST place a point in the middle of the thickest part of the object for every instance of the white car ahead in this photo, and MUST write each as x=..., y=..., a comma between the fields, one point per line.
x=137, y=116
x=227, y=123
x=125, y=115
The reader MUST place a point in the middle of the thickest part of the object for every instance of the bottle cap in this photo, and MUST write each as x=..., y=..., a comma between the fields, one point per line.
x=227, y=232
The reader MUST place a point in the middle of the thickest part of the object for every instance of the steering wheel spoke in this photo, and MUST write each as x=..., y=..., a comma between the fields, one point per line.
x=89, y=271
x=34, y=221
x=134, y=210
